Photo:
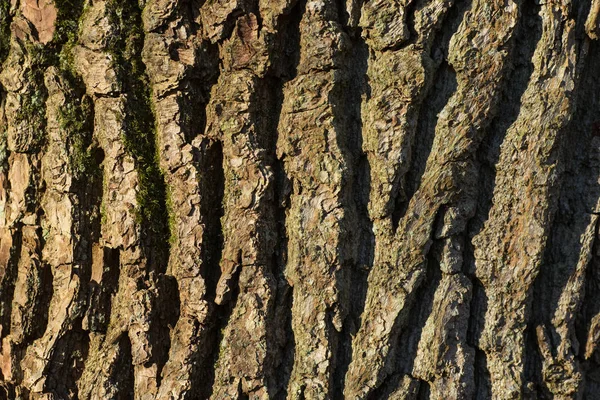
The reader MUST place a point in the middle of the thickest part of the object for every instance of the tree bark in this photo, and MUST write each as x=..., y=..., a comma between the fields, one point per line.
x=299, y=199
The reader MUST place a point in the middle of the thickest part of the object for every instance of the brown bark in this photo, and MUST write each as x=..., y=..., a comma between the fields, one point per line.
x=299, y=199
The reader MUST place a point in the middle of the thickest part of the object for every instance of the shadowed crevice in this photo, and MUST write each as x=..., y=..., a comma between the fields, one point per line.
x=212, y=184
x=7, y=285
x=359, y=245
x=280, y=337
x=437, y=94
x=101, y=294
x=140, y=131
x=420, y=308
x=67, y=363
x=7, y=391
x=279, y=329
x=424, y=392
x=528, y=34
x=46, y=292
x=281, y=347
x=122, y=372
x=209, y=162
x=169, y=306
x=579, y=200
x=222, y=316
x=441, y=91
x=483, y=386
x=280, y=340
x=196, y=90
x=284, y=340
x=532, y=365
x=478, y=309
x=409, y=12
x=286, y=66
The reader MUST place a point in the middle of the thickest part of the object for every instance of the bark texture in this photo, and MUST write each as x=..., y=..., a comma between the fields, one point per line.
x=299, y=199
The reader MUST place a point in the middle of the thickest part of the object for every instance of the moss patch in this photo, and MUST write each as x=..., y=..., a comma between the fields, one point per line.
x=5, y=21
x=69, y=13
x=3, y=149
x=76, y=118
x=140, y=131
x=32, y=110
x=76, y=115
x=57, y=53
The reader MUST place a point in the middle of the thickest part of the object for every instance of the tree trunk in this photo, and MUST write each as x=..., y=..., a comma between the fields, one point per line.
x=299, y=199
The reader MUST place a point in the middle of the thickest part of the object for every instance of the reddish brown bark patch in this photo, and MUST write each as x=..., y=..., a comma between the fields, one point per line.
x=42, y=14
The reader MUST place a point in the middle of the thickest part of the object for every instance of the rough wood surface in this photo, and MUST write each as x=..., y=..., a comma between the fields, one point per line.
x=299, y=199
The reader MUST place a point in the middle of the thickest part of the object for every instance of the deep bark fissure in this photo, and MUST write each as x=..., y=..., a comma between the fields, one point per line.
x=210, y=165
x=439, y=90
x=424, y=391
x=483, y=389
x=46, y=278
x=420, y=309
x=487, y=157
x=566, y=243
x=280, y=333
x=123, y=372
x=282, y=339
x=222, y=318
x=356, y=204
x=213, y=182
x=442, y=89
x=9, y=279
x=67, y=363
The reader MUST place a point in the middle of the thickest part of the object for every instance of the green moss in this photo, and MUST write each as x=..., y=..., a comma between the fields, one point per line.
x=76, y=118
x=172, y=221
x=103, y=217
x=67, y=20
x=3, y=148
x=32, y=110
x=5, y=20
x=140, y=132
x=76, y=115
x=69, y=13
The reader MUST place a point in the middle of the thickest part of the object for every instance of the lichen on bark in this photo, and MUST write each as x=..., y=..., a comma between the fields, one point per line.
x=299, y=199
